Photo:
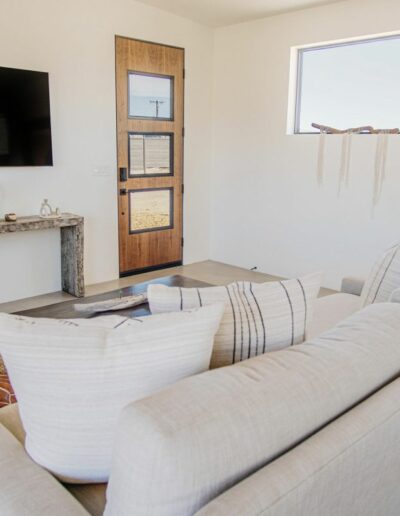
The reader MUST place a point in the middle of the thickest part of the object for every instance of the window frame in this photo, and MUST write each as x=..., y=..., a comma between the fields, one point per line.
x=171, y=154
x=299, y=53
x=171, y=79
x=171, y=225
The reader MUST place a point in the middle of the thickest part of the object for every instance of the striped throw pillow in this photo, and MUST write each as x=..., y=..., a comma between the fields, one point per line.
x=383, y=279
x=72, y=378
x=258, y=317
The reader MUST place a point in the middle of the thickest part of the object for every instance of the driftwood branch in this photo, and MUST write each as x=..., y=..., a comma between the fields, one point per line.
x=367, y=129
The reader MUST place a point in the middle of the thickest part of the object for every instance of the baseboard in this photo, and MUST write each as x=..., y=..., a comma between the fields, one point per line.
x=150, y=269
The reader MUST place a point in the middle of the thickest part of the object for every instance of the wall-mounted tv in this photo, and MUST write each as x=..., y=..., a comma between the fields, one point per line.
x=25, y=127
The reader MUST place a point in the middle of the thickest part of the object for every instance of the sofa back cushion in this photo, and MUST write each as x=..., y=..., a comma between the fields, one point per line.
x=180, y=448
x=383, y=279
x=73, y=377
x=350, y=468
x=258, y=317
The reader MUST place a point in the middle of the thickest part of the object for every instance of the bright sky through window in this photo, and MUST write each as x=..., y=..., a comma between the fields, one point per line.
x=349, y=85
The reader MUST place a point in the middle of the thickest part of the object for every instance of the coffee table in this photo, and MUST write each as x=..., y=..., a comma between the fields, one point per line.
x=65, y=309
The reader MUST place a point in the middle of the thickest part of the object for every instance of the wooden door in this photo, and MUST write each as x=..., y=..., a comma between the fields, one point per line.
x=149, y=94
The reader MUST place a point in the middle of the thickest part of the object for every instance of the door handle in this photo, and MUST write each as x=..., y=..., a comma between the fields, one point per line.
x=123, y=174
x=122, y=191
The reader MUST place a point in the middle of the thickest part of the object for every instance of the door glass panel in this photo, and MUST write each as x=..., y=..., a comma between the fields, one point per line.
x=150, y=209
x=150, y=154
x=150, y=96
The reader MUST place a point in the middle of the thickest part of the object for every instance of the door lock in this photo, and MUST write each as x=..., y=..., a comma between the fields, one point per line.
x=123, y=174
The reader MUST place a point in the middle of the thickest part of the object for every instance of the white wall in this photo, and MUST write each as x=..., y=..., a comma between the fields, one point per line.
x=267, y=210
x=74, y=42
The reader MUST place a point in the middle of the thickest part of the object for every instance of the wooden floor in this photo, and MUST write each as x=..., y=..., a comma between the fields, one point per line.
x=215, y=273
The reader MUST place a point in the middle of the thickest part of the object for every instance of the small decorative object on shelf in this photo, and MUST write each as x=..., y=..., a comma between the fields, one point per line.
x=46, y=211
x=10, y=217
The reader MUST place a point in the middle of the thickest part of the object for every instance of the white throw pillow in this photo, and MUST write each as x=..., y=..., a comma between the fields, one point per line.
x=259, y=317
x=73, y=377
x=383, y=279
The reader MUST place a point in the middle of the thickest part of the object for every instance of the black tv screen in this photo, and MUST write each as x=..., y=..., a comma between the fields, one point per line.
x=25, y=128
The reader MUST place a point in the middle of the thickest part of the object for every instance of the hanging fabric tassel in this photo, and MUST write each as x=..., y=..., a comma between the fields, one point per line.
x=345, y=161
x=348, y=159
x=320, y=161
x=377, y=171
x=380, y=166
x=385, y=145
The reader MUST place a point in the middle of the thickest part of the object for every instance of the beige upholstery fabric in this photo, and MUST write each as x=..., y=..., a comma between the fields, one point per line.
x=352, y=285
x=9, y=417
x=395, y=297
x=383, y=278
x=91, y=496
x=258, y=317
x=73, y=378
x=26, y=488
x=178, y=449
x=330, y=310
x=350, y=468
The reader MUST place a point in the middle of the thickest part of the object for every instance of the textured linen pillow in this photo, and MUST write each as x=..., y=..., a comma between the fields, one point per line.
x=383, y=279
x=73, y=377
x=258, y=317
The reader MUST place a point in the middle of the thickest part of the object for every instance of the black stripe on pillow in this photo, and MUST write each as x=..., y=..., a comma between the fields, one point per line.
x=261, y=318
x=305, y=308
x=291, y=310
x=234, y=326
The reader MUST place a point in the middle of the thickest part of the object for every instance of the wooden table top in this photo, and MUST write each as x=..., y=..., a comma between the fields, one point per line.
x=65, y=309
x=35, y=222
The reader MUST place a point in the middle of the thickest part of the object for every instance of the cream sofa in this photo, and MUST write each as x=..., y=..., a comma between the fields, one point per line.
x=313, y=431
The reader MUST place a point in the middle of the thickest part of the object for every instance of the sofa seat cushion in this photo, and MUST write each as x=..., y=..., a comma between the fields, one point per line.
x=10, y=419
x=178, y=449
x=27, y=489
x=91, y=496
x=330, y=310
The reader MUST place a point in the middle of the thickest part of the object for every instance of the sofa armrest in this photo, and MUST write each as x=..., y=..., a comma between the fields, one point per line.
x=352, y=285
x=395, y=297
x=26, y=489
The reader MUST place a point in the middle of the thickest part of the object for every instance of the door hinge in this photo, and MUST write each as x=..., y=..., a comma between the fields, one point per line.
x=183, y=132
x=182, y=242
x=184, y=73
x=183, y=188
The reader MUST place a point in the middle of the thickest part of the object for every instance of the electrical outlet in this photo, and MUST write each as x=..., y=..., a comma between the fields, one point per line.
x=102, y=171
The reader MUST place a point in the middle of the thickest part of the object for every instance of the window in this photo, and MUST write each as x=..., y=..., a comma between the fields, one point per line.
x=150, y=209
x=349, y=84
x=150, y=154
x=150, y=96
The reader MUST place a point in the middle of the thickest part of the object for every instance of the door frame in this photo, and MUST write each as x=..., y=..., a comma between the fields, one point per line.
x=175, y=263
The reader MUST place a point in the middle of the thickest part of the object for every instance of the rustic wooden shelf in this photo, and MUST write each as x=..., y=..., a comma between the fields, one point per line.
x=71, y=231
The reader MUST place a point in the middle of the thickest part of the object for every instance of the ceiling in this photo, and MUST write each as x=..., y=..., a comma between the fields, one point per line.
x=217, y=13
